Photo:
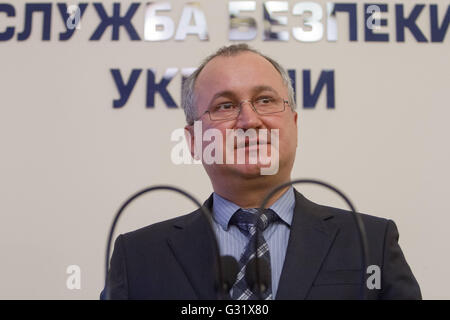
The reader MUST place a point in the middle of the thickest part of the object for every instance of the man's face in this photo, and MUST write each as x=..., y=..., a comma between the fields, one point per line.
x=246, y=76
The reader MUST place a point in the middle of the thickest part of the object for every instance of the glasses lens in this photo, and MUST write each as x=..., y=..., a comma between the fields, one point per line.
x=268, y=105
x=224, y=111
x=263, y=105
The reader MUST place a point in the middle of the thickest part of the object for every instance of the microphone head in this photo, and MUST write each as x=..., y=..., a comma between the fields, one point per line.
x=251, y=275
x=230, y=269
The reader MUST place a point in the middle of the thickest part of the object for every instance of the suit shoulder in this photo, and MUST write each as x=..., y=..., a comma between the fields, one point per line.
x=344, y=218
x=158, y=231
x=346, y=215
x=337, y=215
x=371, y=223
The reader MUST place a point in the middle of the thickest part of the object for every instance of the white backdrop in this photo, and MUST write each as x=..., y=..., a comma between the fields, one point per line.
x=69, y=159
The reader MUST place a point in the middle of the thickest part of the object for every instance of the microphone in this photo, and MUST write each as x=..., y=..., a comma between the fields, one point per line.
x=258, y=282
x=364, y=248
x=230, y=269
x=227, y=263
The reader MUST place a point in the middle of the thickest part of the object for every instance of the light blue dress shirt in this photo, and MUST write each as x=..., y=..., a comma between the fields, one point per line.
x=232, y=242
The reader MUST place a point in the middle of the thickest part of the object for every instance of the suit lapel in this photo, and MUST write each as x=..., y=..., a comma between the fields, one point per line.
x=309, y=242
x=193, y=246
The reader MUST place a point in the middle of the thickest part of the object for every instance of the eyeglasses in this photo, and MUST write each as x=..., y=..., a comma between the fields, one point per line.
x=262, y=105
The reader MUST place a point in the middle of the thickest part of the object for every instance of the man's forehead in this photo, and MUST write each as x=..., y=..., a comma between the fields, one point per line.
x=247, y=64
x=247, y=57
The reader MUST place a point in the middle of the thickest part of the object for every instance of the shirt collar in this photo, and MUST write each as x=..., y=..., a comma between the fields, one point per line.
x=224, y=209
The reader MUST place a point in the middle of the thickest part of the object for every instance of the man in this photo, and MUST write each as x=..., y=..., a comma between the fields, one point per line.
x=312, y=251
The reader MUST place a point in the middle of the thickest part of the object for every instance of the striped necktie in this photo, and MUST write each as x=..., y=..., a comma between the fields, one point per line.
x=245, y=220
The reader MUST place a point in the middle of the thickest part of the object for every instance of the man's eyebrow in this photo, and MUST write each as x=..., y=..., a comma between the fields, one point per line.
x=224, y=93
x=258, y=89
x=231, y=94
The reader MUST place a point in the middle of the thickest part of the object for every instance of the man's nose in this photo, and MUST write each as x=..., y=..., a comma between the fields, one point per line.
x=248, y=117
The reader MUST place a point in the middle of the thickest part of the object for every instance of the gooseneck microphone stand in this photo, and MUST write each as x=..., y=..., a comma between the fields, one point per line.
x=358, y=220
x=224, y=284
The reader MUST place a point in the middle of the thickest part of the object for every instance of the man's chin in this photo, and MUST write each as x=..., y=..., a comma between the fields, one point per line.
x=245, y=170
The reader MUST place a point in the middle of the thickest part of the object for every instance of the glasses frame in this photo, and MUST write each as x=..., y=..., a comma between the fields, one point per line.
x=240, y=109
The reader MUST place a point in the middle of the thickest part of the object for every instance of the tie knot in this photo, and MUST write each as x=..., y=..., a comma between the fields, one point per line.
x=247, y=219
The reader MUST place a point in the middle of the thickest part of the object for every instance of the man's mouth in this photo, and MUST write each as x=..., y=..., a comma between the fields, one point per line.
x=254, y=143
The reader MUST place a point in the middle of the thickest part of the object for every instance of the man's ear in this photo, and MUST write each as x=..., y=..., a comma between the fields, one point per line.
x=190, y=138
x=296, y=125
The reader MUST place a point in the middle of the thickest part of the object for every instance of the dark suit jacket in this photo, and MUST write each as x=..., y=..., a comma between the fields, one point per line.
x=175, y=259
